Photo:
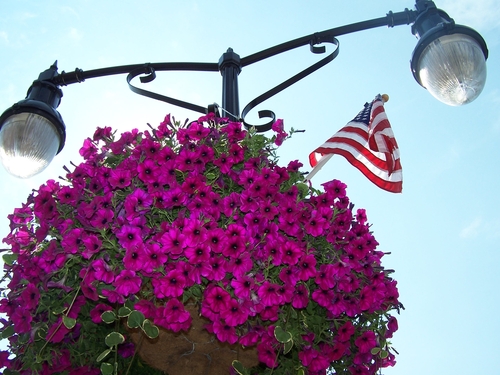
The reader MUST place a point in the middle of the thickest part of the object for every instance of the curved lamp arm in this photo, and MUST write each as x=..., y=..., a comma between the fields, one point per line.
x=28, y=123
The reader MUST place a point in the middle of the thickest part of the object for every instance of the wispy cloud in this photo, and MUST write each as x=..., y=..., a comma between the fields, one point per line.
x=28, y=15
x=472, y=229
x=478, y=14
x=481, y=227
x=66, y=10
x=75, y=34
x=4, y=37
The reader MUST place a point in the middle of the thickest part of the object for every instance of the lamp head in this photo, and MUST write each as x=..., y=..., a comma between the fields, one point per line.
x=32, y=132
x=449, y=60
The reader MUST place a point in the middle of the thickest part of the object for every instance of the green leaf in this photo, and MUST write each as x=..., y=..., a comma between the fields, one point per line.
x=384, y=354
x=9, y=259
x=124, y=312
x=114, y=339
x=10, y=372
x=106, y=368
x=210, y=176
x=68, y=322
x=59, y=310
x=135, y=319
x=103, y=355
x=288, y=346
x=7, y=332
x=281, y=335
x=108, y=317
x=150, y=329
x=310, y=308
x=303, y=189
x=196, y=291
x=301, y=371
x=375, y=351
x=240, y=369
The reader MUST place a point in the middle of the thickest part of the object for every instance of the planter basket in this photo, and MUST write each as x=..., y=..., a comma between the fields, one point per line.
x=196, y=351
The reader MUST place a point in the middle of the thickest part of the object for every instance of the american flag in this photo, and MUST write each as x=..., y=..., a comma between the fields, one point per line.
x=368, y=143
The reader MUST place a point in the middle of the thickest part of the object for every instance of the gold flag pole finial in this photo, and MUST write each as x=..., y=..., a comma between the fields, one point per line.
x=385, y=98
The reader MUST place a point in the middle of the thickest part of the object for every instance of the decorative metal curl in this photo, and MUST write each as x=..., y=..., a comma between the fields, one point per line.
x=150, y=76
x=275, y=90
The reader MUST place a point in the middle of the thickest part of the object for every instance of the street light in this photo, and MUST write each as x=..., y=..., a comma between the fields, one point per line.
x=449, y=61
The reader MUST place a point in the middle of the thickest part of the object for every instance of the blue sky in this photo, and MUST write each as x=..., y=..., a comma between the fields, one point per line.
x=444, y=229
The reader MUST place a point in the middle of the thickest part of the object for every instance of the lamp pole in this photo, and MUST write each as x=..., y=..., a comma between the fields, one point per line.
x=434, y=64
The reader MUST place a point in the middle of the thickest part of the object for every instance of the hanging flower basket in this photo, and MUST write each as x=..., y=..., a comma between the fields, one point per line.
x=188, y=248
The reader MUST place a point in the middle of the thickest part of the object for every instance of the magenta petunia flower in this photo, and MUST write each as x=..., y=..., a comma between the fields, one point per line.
x=147, y=170
x=30, y=296
x=235, y=313
x=307, y=267
x=127, y=282
x=242, y=285
x=153, y=258
x=392, y=326
x=172, y=285
x=267, y=355
x=346, y=331
x=240, y=265
x=215, y=239
x=197, y=131
x=173, y=242
x=234, y=131
x=323, y=297
x=269, y=293
x=119, y=178
x=230, y=203
x=102, y=218
x=92, y=245
x=233, y=246
x=173, y=316
x=325, y=276
x=366, y=341
x=289, y=275
x=300, y=297
x=217, y=299
x=195, y=232
x=102, y=271
x=218, y=265
x=72, y=241
x=129, y=236
x=224, y=332
x=135, y=257
x=335, y=188
x=22, y=320
x=198, y=254
x=290, y=253
x=317, y=224
x=249, y=203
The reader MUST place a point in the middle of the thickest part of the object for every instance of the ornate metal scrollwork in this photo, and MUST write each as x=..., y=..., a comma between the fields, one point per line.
x=258, y=100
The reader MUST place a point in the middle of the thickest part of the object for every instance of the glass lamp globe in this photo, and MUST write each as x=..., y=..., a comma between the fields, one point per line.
x=28, y=143
x=452, y=68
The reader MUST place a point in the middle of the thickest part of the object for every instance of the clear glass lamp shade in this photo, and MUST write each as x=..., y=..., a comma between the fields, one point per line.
x=28, y=143
x=453, y=69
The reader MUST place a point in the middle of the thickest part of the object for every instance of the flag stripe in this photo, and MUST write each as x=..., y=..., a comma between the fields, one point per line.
x=368, y=143
x=373, y=163
x=394, y=186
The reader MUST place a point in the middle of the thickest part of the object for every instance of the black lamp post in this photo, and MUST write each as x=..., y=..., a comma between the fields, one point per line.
x=449, y=61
